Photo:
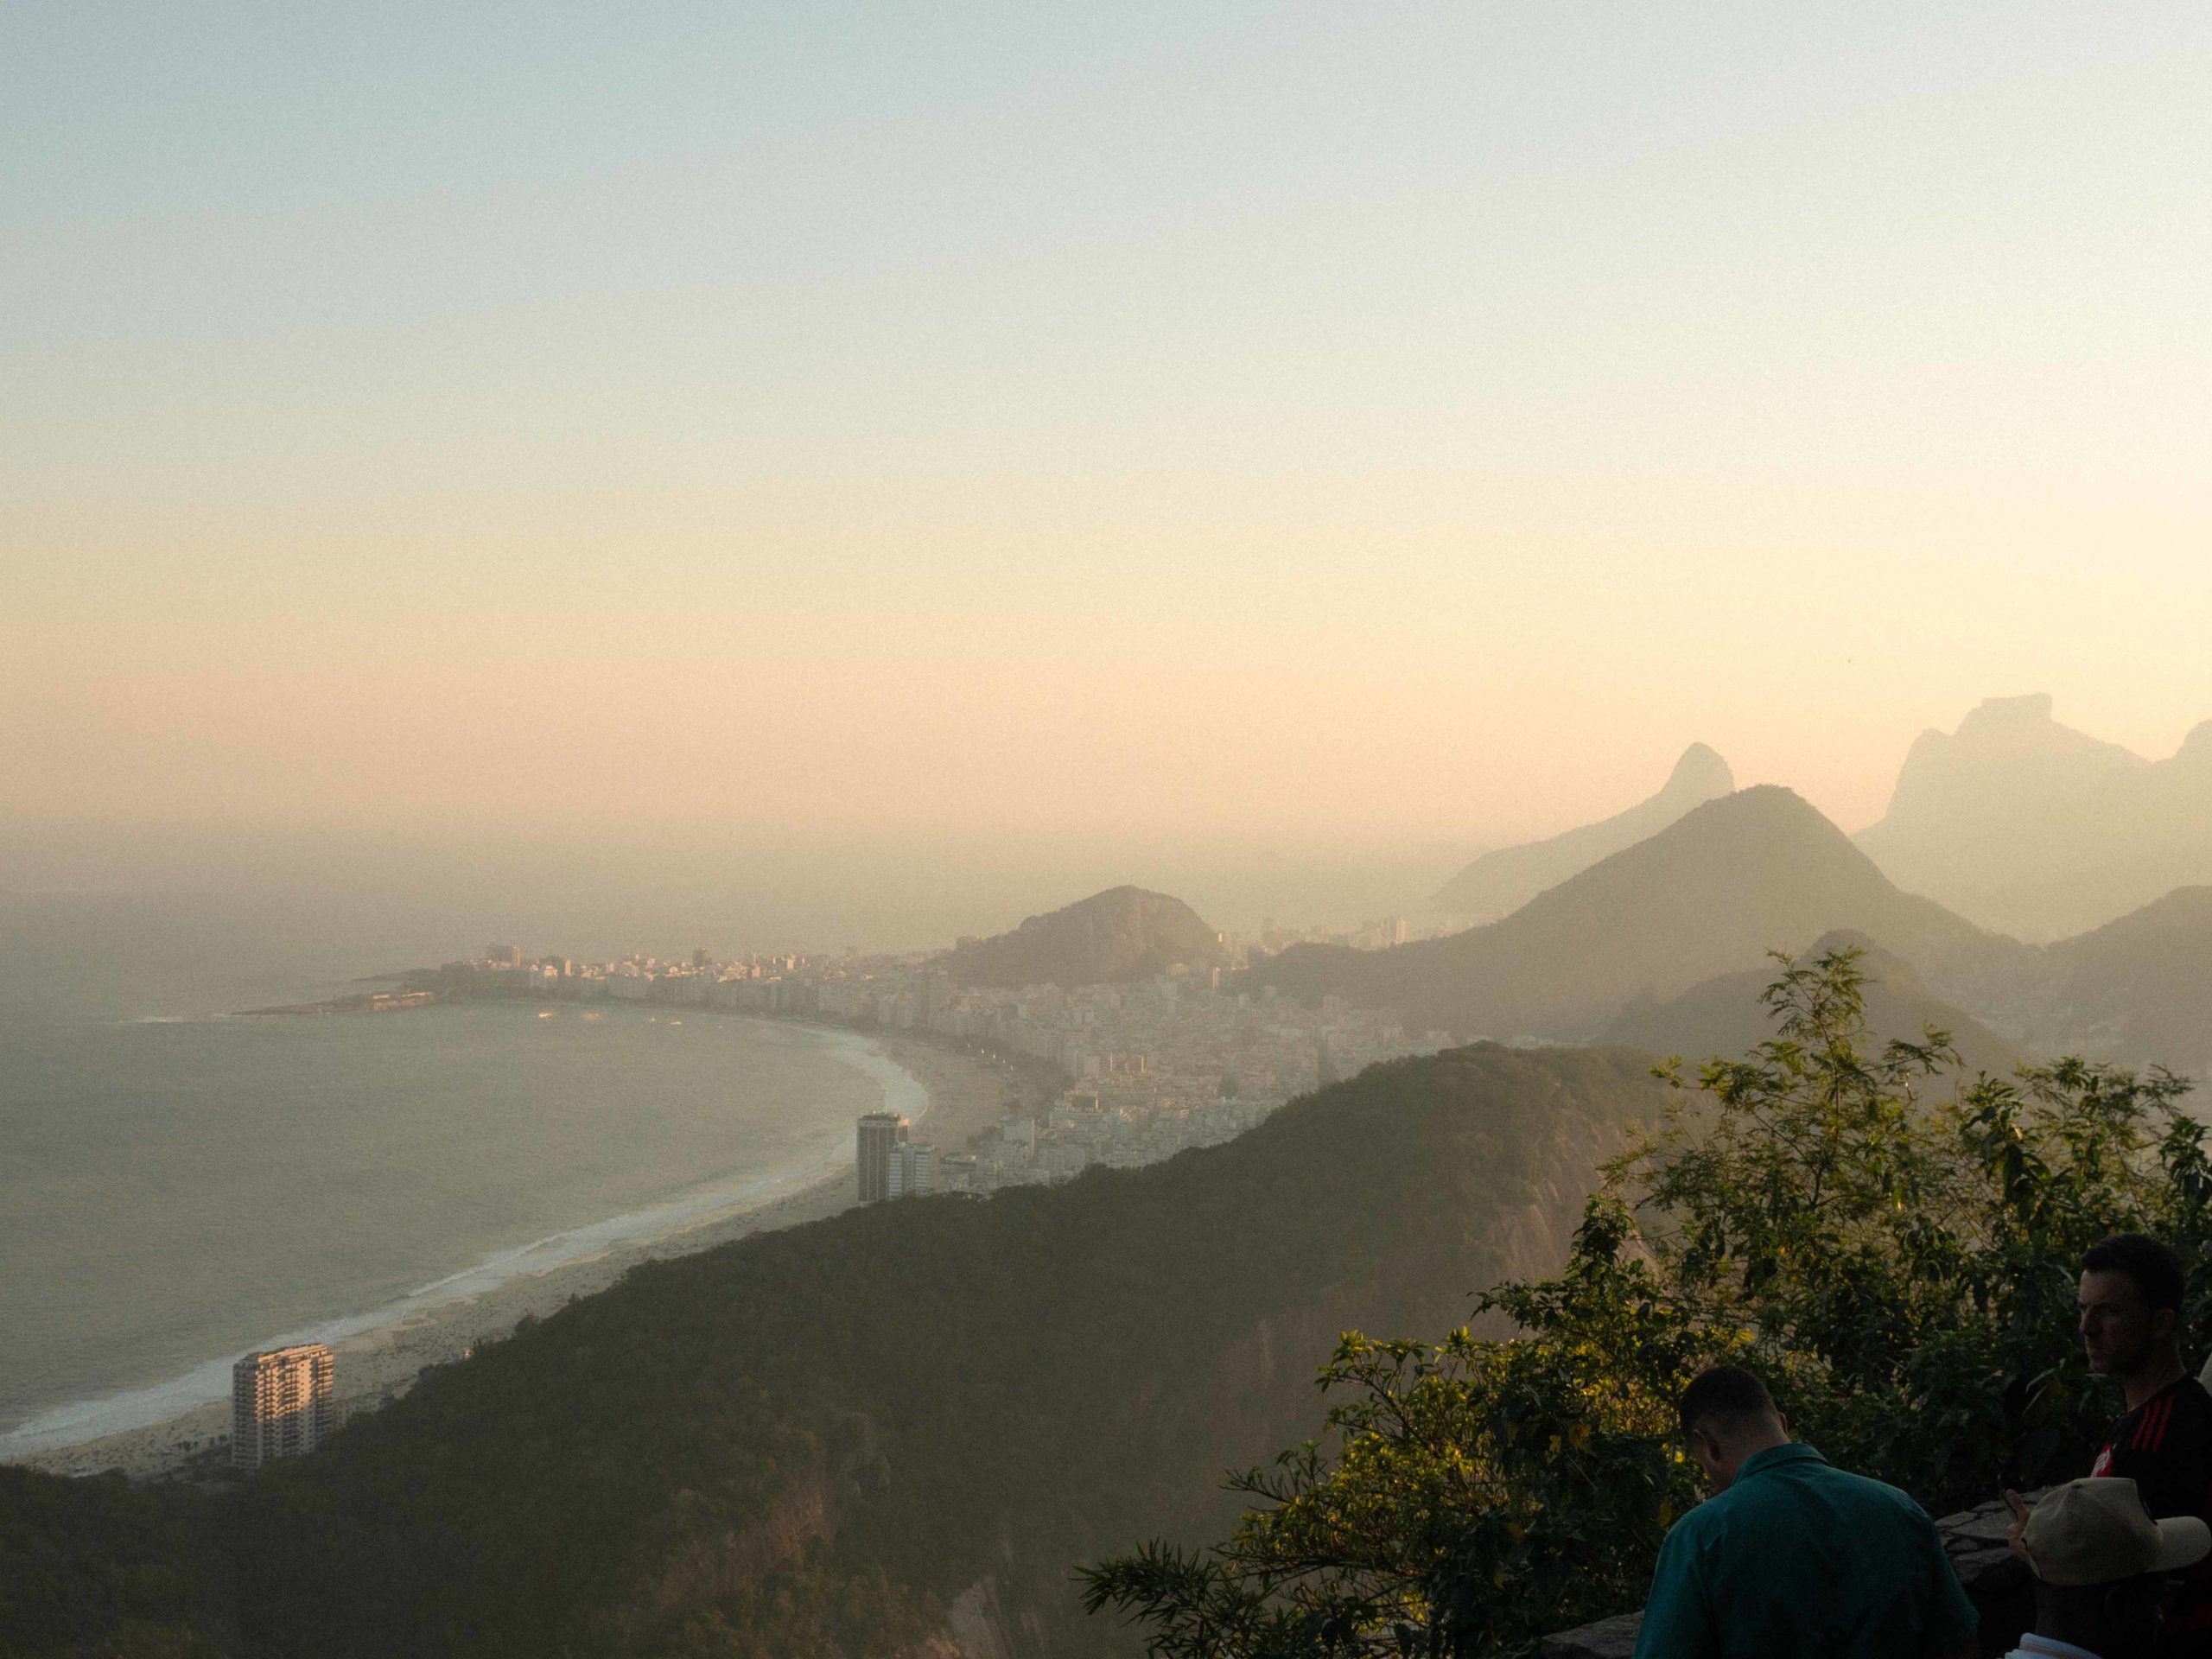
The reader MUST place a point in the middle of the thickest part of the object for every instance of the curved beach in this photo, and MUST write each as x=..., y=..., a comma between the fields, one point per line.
x=380, y=1352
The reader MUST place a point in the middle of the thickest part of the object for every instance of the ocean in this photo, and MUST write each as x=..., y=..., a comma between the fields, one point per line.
x=179, y=1183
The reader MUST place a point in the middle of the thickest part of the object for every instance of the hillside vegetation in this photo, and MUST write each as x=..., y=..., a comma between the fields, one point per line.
x=1123, y=934
x=827, y=1441
x=1893, y=1245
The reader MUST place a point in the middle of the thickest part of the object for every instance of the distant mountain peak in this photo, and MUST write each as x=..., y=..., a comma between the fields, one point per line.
x=1702, y=769
x=1735, y=877
x=2001, y=730
x=1124, y=933
x=1500, y=882
x=2029, y=825
x=2032, y=709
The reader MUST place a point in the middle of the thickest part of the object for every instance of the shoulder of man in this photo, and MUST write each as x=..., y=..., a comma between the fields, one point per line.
x=1875, y=1493
x=2176, y=1419
x=1703, y=1519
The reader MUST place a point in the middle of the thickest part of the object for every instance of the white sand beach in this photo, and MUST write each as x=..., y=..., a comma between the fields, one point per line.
x=951, y=1095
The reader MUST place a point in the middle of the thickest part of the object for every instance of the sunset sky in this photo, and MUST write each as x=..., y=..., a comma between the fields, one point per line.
x=1311, y=422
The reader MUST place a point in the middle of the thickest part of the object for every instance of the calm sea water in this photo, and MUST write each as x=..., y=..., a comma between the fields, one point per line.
x=177, y=1184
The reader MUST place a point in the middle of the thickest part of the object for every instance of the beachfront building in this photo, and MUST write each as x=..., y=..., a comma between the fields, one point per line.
x=907, y=1173
x=881, y=1136
x=281, y=1404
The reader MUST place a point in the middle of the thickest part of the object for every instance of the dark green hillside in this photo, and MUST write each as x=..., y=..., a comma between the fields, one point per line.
x=1124, y=933
x=97, y=1566
x=1710, y=894
x=813, y=1443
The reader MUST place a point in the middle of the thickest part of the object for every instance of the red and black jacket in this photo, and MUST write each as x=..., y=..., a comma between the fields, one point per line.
x=2165, y=1446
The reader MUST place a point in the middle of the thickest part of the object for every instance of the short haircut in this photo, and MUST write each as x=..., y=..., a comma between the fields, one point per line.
x=1724, y=1396
x=2150, y=1267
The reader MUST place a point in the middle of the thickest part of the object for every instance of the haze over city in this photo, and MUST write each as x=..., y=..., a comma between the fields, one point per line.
x=799, y=803
x=1288, y=431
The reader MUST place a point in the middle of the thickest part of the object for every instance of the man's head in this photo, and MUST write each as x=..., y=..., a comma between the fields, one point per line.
x=2130, y=1299
x=2102, y=1565
x=1727, y=1414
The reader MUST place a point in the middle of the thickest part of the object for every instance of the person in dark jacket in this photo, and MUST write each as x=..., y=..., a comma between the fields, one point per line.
x=2129, y=1299
x=1792, y=1558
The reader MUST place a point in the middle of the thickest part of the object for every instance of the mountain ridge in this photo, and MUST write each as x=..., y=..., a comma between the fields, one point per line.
x=1743, y=875
x=1501, y=881
x=1724, y=1014
x=2032, y=827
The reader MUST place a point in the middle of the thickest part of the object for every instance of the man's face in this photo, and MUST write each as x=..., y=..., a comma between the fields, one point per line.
x=2118, y=1329
x=1708, y=1452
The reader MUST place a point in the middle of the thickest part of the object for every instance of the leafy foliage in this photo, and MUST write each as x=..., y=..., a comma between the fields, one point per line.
x=813, y=1442
x=98, y=1565
x=1898, y=1261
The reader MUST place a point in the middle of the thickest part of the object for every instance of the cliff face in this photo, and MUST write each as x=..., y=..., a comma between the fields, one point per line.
x=1500, y=882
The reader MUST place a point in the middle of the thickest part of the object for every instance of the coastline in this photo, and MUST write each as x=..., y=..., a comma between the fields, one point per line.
x=959, y=1096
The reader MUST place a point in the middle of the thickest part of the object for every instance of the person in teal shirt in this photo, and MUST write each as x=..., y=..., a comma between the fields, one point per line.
x=1791, y=1558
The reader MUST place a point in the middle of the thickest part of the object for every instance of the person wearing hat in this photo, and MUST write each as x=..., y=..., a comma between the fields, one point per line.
x=2102, y=1566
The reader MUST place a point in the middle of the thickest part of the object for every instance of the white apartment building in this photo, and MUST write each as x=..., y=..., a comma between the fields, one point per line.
x=281, y=1404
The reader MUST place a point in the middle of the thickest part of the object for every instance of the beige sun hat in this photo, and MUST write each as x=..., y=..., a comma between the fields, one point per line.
x=2097, y=1531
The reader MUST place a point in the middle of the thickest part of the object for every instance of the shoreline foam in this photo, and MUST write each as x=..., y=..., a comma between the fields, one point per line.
x=797, y=1194
x=208, y=1383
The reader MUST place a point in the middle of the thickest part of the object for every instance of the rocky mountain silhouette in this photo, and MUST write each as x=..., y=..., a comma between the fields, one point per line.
x=2025, y=825
x=1500, y=882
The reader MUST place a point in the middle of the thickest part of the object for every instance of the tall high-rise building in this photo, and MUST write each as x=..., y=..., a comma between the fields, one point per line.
x=281, y=1404
x=936, y=996
x=908, y=1172
x=881, y=1134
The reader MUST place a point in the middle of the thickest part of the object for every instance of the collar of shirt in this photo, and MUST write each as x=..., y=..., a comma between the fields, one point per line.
x=2044, y=1647
x=1775, y=1456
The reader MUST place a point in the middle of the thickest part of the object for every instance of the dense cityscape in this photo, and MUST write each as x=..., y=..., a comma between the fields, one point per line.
x=1145, y=1070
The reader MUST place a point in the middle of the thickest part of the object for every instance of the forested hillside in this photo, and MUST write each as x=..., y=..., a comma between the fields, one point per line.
x=827, y=1441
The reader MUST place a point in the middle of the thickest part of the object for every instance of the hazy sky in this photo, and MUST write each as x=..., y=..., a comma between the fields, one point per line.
x=1304, y=420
